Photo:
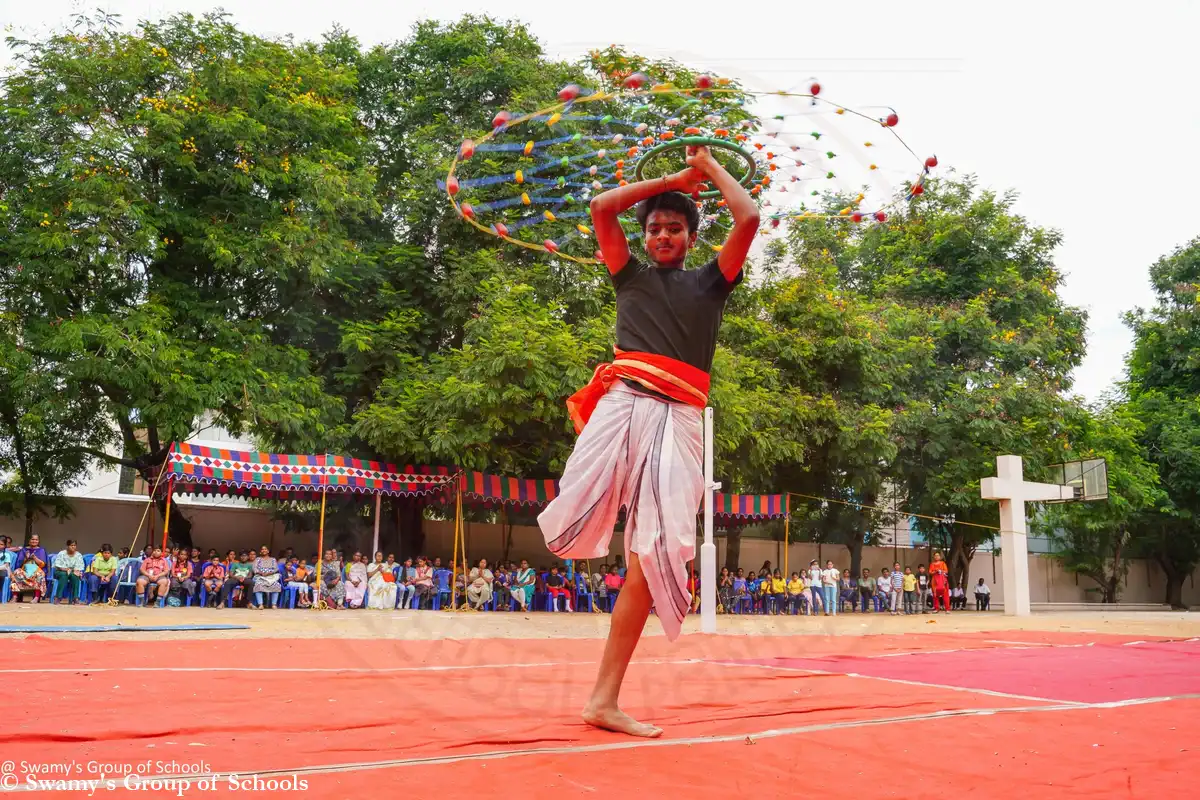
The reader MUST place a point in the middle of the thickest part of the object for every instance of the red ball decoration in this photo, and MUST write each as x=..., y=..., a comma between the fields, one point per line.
x=467, y=211
x=918, y=189
x=815, y=89
x=466, y=149
x=931, y=162
x=501, y=229
x=550, y=245
x=636, y=81
x=704, y=82
x=568, y=93
x=452, y=185
x=501, y=119
x=880, y=216
x=856, y=217
x=892, y=120
x=600, y=256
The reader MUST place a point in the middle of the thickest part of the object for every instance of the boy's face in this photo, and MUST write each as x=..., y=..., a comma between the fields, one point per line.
x=667, y=239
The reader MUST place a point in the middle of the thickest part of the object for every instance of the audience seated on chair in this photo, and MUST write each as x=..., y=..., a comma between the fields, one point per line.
x=101, y=576
x=239, y=581
x=154, y=577
x=556, y=586
x=268, y=585
x=68, y=573
x=212, y=579
x=381, y=584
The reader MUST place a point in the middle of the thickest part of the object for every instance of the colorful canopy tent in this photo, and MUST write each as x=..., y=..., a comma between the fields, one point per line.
x=196, y=469
x=200, y=470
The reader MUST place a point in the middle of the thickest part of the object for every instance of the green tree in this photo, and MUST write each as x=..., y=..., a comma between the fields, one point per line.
x=1164, y=386
x=1003, y=346
x=171, y=195
x=1097, y=539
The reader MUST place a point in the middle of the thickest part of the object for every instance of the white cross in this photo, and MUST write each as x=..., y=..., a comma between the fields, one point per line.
x=1014, y=492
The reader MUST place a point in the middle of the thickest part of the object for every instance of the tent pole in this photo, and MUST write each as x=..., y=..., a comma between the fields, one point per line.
x=787, y=518
x=375, y=541
x=167, y=516
x=318, y=583
x=454, y=561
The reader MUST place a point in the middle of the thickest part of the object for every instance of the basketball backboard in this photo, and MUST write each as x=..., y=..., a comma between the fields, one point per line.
x=1088, y=478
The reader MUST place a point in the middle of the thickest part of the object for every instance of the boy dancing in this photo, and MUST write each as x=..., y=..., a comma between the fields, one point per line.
x=640, y=418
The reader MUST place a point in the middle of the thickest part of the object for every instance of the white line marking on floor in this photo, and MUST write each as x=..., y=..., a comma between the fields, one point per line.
x=633, y=744
x=946, y=687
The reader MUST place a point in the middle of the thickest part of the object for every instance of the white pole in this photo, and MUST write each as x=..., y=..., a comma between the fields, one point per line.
x=375, y=541
x=708, y=551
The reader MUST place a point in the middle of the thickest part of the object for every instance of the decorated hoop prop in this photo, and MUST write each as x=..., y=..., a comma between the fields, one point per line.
x=530, y=179
x=675, y=145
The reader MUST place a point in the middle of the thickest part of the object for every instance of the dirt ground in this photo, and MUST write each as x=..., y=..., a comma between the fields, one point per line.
x=431, y=625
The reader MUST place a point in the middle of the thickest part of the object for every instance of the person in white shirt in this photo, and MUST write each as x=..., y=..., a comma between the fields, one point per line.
x=829, y=584
x=983, y=596
x=816, y=589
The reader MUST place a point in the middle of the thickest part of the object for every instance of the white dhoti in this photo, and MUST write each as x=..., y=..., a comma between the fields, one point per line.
x=644, y=454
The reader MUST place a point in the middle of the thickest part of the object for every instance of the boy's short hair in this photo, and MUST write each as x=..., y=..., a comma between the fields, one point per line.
x=678, y=202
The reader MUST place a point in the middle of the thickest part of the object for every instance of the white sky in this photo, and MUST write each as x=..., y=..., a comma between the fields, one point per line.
x=1086, y=110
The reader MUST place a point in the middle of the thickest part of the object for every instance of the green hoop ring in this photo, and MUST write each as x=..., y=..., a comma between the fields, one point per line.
x=707, y=141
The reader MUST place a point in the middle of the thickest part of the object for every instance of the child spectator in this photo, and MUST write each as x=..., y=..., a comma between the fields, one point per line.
x=778, y=591
x=923, y=591
x=556, y=586
x=816, y=588
x=155, y=573
x=897, y=589
x=100, y=574
x=795, y=590
x=910, y=591
x=829, y=584
x=213, y=578
x=183, y=581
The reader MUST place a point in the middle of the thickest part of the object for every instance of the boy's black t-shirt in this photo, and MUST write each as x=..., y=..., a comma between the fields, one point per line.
x=554, y=580
x=922, y=580
x=671, y=312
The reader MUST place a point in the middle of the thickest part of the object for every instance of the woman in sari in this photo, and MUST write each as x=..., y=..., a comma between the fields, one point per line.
x=333, y=587
x=266, y=579
x=381, y=585
x=356, y=582
x=28, y=578
x=479, y=586
x=522, y=586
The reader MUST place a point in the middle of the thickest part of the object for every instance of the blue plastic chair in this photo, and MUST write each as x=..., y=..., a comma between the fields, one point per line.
x=127, y=572
x=441, y=578
x=582, y=590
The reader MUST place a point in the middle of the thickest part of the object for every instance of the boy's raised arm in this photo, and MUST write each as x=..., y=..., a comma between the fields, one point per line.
x=741, y=206
x=607, y=207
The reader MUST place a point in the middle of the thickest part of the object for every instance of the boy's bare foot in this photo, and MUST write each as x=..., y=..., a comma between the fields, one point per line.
x=614, y=719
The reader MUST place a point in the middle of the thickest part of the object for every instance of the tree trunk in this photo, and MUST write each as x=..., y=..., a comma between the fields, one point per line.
x=733, y=548
x=959, y=558
x=13, y=424
x=1175, y=591
x=855, y=546
x=506, y=531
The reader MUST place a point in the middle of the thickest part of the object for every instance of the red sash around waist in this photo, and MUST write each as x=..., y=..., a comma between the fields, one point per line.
x=675, y=379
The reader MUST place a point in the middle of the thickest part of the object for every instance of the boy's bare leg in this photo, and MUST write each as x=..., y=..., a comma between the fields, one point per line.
x=628, y=620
